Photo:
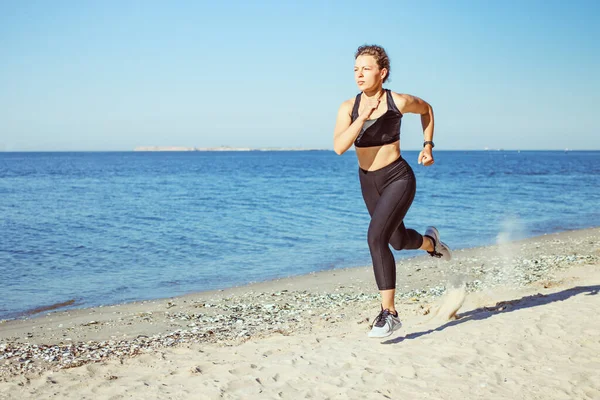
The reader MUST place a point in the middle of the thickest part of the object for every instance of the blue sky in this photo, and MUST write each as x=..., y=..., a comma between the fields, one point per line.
x=113, y=75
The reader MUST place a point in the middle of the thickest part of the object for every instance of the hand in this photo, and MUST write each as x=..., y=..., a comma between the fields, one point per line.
x=370, y=105
x=425, y=157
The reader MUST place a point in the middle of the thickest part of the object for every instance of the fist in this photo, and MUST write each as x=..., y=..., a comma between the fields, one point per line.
x=369, y=105
x=425, y=157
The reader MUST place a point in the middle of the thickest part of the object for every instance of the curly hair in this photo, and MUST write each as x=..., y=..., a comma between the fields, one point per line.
x=378, y=52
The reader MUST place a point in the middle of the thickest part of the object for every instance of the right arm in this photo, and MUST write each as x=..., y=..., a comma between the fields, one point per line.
x=346, y=131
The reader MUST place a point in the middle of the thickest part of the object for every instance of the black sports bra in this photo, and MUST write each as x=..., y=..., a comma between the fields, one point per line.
x=382, y=130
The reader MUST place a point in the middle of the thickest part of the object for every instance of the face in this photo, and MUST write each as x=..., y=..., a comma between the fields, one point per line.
x=367, y=73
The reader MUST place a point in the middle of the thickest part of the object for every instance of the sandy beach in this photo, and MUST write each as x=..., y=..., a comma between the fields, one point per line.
x=517, y=320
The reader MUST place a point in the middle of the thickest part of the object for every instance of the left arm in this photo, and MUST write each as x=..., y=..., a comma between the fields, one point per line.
x=412, y=104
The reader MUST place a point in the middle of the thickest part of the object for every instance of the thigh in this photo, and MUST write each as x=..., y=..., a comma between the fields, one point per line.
x=392, y=206
x=369, y=191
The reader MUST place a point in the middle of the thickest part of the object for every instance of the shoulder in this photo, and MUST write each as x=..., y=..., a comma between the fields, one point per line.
x=347, y=105
x=401, y=99
x=408, y=103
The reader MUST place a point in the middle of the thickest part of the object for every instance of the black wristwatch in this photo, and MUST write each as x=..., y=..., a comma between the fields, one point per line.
x=425, y=143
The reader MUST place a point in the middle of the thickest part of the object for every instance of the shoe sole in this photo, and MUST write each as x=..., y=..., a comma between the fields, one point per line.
x=389, y=334
x=445, y=246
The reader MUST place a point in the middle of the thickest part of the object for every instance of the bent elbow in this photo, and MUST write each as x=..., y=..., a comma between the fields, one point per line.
x=338, y=150
x=429, y=109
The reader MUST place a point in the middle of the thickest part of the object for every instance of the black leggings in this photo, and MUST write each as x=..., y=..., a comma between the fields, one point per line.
x=388, y=194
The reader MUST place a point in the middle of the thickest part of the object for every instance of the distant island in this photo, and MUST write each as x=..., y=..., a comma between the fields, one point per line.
x=220, y=148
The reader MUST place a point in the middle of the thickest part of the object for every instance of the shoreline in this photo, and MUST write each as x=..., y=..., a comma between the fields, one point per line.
x=64, y=305
x=286, y=306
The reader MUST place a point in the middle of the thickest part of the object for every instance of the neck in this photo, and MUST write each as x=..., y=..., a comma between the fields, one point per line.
x=378, y=91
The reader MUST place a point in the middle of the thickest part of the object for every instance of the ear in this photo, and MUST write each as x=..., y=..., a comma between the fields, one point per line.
x=384, y=72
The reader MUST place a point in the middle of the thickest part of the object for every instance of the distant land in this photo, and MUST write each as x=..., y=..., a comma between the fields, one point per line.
x=220, y=148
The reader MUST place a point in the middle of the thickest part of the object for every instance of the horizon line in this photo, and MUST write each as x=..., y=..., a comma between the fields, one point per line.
x=233, y=149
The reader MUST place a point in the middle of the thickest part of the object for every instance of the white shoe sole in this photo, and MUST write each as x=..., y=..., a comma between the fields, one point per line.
x=395, y=328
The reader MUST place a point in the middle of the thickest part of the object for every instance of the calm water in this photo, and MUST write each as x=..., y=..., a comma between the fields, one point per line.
x=104, y=228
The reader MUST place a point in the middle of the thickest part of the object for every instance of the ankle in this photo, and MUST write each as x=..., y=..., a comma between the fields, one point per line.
x=428, y=244
x=392, y=311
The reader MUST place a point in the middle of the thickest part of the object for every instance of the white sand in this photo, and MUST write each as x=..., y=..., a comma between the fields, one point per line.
x=531, y=346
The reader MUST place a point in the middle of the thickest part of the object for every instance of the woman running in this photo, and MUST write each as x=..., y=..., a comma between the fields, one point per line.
x=371, y=121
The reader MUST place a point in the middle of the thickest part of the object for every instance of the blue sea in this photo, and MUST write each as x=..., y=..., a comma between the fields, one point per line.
x=105, y=228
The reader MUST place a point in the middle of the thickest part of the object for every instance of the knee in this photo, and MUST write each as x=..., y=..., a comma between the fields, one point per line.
x=375, y=239
x=409, y=239
x=398, y=244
